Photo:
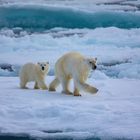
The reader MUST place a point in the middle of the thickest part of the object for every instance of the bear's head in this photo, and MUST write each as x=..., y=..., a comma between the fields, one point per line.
x=92, y=63
x=43, y=66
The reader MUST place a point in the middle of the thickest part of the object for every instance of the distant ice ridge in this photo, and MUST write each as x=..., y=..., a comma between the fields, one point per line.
x=117, y=50
x=40, y=18
x=86, y=5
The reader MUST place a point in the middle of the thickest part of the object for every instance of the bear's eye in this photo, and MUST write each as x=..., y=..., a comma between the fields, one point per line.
x=44, y=64
x=90, y=62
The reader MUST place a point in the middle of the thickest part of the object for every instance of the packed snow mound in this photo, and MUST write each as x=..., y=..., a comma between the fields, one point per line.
x=117, y=49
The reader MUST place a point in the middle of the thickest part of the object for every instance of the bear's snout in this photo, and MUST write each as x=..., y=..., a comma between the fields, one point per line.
x=94, y=67
x=43, y=68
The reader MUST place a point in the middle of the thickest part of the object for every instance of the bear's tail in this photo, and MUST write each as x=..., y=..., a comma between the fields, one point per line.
x=87, y=88
x=54, y=84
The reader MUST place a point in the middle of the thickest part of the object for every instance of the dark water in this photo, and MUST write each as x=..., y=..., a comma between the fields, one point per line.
x=4, y=137
x=13, y=137
x=39, y=19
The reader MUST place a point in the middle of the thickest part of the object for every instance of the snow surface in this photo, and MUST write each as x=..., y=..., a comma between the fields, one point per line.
x=114, y=112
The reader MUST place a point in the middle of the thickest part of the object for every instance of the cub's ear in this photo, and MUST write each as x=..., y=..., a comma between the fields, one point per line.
x=38, y=63
x=47, y=62
x=95, y=58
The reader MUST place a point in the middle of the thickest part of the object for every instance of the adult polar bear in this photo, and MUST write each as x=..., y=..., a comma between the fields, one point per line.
x=76, y=66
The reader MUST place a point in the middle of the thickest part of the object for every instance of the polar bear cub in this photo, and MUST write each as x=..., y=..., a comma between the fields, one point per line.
x=34, y=72
x=76, y=66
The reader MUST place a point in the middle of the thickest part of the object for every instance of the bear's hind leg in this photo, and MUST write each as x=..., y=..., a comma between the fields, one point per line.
x=65, y=85
x=23, y=81
x=76, y=90
x=23, y=85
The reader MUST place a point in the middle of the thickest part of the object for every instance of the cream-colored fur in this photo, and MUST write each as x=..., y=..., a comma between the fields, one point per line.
x=34, y=72
x=76, y=66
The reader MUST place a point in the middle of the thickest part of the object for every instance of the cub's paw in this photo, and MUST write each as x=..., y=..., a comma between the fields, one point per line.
x=36, y=87
x=51, y=89
x=44, y=88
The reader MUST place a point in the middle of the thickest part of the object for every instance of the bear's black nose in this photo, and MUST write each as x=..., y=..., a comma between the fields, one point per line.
x=94, y=67
x=43, y=68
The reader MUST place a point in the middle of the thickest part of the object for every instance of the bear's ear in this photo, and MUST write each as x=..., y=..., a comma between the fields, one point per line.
x=38, y=63
x=47, y=62
x=86, y=60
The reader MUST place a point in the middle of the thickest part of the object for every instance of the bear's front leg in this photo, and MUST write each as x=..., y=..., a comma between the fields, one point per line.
x=76, y=92
x=93, y=90
x=42, y=85
x=36, y=86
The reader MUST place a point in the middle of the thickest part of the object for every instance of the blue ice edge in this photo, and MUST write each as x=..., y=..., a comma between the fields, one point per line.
x=40, y=18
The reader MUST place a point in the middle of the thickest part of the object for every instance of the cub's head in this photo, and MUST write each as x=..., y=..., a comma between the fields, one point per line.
x=92, y=63
x=43, y=66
